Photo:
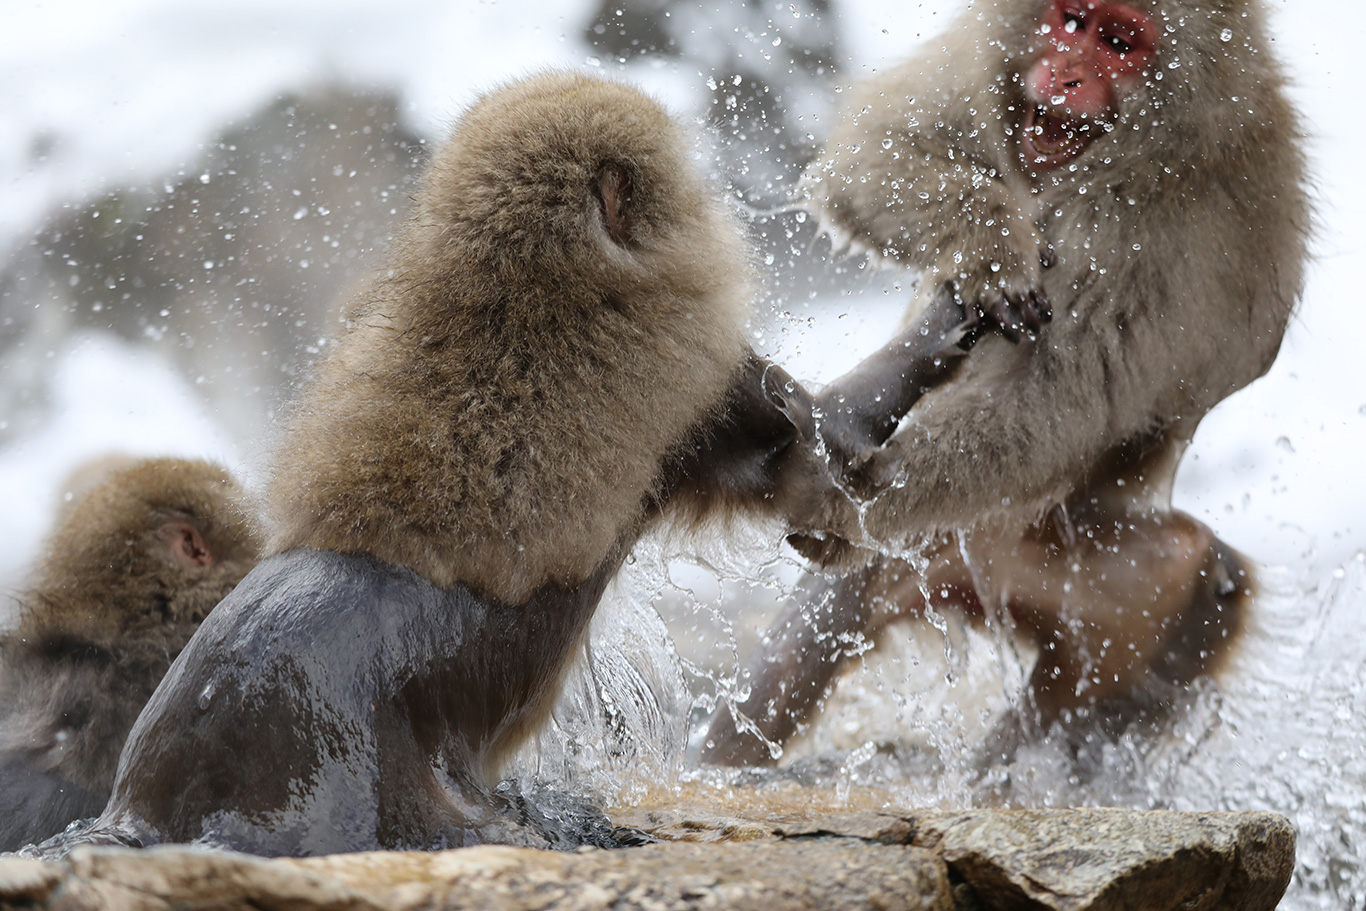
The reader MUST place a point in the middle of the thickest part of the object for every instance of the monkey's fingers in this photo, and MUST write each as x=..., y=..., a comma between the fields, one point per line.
x=1042, y=306
x=1007, y=319
x=790, y=398
x=1018, y=315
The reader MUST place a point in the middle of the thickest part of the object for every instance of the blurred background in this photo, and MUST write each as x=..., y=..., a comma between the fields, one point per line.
x=190, y=189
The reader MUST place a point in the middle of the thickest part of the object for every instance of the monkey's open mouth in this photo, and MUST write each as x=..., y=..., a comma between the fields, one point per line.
x=1052, y=138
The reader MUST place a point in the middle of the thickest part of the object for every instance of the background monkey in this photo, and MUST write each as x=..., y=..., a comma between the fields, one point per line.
x=1134, y=168
x=556, y=356
x=134, y=566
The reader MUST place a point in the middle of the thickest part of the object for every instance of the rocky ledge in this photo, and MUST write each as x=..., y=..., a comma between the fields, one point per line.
x=977, y=860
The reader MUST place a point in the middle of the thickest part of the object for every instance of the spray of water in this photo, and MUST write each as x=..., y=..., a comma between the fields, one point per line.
x=1283, y=728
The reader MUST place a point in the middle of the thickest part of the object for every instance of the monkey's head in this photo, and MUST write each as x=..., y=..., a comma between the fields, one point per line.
x=1157, y=68
x=579, y=190
x=141, y=559
x=497, y=410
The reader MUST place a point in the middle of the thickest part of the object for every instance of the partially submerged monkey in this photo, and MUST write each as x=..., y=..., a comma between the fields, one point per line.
x=134, y=566
x=556, y=357
x=1135, y=168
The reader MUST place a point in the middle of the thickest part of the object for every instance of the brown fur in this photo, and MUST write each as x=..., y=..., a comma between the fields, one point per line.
x=1178, y=240
x=1175, y=251
x=557, y=356
x=496, y=424
x=114, y=600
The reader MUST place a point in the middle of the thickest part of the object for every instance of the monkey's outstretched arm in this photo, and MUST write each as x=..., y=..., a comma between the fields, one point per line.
x=766, y=444
x=859, y=411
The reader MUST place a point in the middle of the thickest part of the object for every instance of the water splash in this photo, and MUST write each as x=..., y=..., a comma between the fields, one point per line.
x=620, y=724
x=1282, y=729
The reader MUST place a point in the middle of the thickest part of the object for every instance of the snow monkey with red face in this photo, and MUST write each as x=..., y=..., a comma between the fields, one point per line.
x=1119, y=189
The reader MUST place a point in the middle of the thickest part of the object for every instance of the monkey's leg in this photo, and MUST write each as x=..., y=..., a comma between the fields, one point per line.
x=1133, y=609
x=806, y=648
x=791, y=670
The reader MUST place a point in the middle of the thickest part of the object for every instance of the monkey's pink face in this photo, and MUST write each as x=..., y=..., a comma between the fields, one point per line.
x=1094, y=52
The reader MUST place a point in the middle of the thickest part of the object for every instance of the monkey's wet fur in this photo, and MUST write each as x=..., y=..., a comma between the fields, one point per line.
x=554, y=361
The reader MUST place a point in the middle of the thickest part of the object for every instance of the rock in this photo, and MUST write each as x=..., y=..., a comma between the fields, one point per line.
x=27, y=882
x=993, y=860
x=233, y=267
x=1068, y=860
x=1108, y=860
x=666, y=877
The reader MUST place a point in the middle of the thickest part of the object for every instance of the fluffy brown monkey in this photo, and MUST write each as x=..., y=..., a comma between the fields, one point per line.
x=135, y=565
x=1134, y=168
x=556, y=355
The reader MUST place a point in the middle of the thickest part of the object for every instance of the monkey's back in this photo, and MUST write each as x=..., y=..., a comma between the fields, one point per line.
x=331, y=703
x=498, y=409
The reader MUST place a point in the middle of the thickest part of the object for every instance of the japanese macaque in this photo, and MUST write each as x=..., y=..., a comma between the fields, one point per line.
x=556, y=356
x=1134, y=169
x=134, y=566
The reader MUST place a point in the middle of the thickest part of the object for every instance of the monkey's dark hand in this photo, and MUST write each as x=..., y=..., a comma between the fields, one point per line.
x=1013, y=310
x=1014, y=316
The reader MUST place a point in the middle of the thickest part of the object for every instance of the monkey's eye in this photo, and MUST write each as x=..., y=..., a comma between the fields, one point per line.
x=1072, y=23
x=1119, y=45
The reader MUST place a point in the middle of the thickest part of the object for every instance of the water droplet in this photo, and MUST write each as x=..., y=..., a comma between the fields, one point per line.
x=206, y=696
x=1226, y=35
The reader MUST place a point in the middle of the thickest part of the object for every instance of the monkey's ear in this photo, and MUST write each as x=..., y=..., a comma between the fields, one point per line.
x=186, y=544
x=614, y=202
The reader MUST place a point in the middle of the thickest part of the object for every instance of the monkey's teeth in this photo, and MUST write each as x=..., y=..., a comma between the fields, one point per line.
x=1050, y=133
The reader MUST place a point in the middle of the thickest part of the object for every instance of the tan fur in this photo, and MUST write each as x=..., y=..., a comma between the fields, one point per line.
x=1179, y=240
x=497, y=410
x=110, y=608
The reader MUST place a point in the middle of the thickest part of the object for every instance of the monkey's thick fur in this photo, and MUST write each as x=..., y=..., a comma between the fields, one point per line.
x=498, y=413
x=556, y=354
x=1178, y=239
x=114, y=600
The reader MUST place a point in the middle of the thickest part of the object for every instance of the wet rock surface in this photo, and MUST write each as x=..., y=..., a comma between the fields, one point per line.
x=1069, y=860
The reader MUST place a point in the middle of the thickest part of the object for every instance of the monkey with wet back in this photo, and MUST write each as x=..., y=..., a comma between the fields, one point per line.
x=1135, y=168
x=135, y=564
x=554, y=362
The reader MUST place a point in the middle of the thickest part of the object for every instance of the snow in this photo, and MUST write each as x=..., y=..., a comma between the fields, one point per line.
x=120, y=91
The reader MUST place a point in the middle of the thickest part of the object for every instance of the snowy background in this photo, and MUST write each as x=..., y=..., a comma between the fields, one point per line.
x=106, y=100
x=122, y=92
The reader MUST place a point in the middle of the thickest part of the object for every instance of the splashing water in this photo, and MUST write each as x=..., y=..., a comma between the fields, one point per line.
x=1283, y=728
x=621, y=721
